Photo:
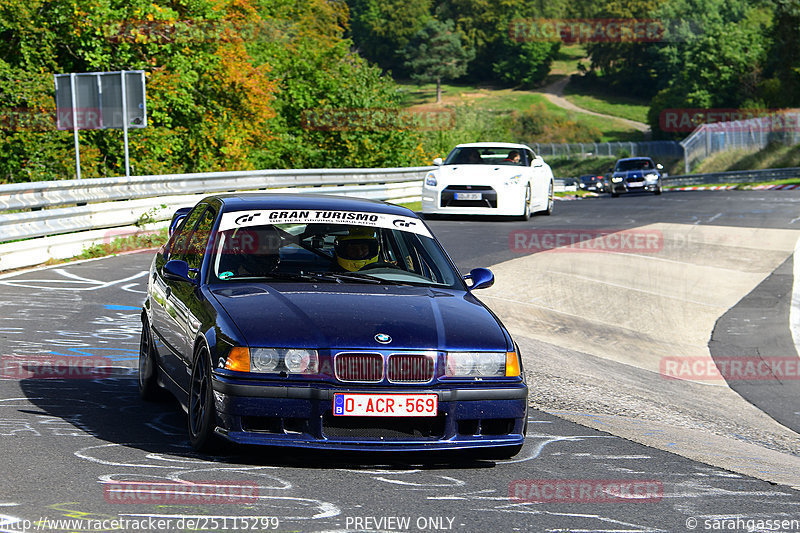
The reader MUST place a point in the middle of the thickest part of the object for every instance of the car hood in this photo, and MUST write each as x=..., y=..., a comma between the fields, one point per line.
x=477, y=174
x=349, y=316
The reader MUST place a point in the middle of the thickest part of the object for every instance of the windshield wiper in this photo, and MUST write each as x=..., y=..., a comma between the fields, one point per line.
x=302, y=276
x=363, y=277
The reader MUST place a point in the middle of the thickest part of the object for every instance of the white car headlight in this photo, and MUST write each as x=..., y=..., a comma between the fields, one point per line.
x=430, y=180
x=476, y=364
x=290, y=360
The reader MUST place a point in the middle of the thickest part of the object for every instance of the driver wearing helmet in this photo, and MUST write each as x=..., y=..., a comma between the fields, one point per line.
x=357, y=249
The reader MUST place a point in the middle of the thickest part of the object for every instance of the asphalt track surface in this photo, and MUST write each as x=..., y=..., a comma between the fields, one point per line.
x=67, y=443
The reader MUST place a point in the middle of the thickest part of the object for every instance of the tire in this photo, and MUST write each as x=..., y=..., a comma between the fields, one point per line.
x=202, y=411
x=614, y=195
x=526, y=211
x=657, y=191
x=551, y=202
x=149, y=389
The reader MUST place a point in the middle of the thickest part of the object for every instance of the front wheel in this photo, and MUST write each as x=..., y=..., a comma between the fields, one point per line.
x=526, y=209
x=202, y=412
x=551, y=203
x=148, y=370
x=657, y=190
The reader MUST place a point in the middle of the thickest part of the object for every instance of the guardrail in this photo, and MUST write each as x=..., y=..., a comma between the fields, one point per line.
x=734, y=176
x=58, y=219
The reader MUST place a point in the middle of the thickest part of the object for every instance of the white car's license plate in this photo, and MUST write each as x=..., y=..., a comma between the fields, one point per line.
x=356, y=404
x=636, y=184
x=468, y=196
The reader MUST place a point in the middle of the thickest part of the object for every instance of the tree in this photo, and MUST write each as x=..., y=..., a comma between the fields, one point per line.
x=437, y=53
x=380, y=29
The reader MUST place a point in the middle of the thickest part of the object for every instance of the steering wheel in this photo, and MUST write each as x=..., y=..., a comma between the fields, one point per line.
x=373, y=266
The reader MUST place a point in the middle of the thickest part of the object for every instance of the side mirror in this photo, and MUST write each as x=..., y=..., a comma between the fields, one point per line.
x=482, y=278
x=438, y=161
x=177, y=270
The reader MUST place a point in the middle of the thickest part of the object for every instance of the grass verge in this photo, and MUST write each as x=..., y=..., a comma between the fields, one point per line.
x=740, y=186
x=139, y=241
x=607, y=103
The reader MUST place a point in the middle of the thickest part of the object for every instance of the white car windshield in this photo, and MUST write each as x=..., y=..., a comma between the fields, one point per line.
x=487, y=156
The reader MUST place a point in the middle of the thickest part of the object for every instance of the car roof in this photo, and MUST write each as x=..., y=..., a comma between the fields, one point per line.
x=258, y=200
x=634, y=159
x=494, y=145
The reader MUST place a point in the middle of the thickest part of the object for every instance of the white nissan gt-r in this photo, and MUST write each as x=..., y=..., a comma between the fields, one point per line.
x=489, y=179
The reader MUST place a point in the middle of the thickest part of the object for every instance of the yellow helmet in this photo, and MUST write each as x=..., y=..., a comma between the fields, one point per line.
x=358, y=249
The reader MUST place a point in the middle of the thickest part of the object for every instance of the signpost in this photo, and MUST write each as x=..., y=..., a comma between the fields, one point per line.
x=101, y=100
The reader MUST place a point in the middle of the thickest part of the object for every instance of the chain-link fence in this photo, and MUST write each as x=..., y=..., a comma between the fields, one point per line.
x=657, y=149
x=754, y=134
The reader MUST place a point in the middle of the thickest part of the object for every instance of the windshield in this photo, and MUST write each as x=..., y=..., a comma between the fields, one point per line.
x=634, y=164
x=335, y=252
x=487, y=156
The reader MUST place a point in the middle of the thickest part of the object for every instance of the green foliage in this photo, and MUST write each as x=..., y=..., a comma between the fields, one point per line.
x=436, y=53
x=315, y=71
x=207, y=103
x=524, y=63
x=137, y=241
x=380, y=29
x=538, y=124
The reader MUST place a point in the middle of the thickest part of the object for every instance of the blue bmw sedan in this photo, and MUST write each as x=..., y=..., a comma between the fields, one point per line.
x=326, y=322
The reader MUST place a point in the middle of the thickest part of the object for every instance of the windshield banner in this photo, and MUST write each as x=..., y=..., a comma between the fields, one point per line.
x=242, y=219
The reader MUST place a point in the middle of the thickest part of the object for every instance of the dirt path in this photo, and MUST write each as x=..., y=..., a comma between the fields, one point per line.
x=554, y=92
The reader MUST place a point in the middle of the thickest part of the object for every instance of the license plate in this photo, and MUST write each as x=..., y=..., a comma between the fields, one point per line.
x=636, y=184
x=347, y=404
x=468, y=196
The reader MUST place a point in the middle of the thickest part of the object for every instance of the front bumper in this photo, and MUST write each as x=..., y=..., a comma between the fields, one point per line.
x=644, y=186
x=503, y=200
x=302, y=416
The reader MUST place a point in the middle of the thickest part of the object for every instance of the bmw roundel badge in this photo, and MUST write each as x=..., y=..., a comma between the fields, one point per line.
x=383, y=338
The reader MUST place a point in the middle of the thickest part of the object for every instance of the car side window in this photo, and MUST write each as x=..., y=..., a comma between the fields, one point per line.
x=177, y=244
x=198, y=241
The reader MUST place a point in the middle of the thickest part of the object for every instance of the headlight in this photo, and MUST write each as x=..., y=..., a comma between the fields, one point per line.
x=481, y=364
x=273, y=360
x=513, y=180
x=430, y=180
x=616, y=179
x=651, y=177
